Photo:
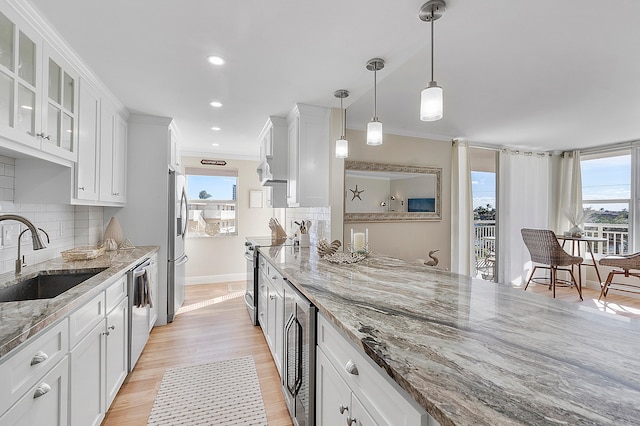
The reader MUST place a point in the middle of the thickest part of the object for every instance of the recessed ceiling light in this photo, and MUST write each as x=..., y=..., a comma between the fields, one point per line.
x=215, y=128
x=215, y=144
x=216, y=60
x=26, y=106
x=216, y=104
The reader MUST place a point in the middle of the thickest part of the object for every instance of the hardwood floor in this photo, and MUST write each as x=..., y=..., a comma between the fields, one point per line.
x=615, y=303
x=212, y=325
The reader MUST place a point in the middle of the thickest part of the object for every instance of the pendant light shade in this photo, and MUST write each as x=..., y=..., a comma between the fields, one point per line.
x=374, y=128
x=431, y=98
x=342, y=145
x=374, y=132
x=431, y=103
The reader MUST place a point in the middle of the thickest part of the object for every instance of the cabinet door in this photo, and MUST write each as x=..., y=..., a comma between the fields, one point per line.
x=270, y=335
x=292, y=181
x=59, y=106
x=333, y=396
x=45, y=403
x=88, y=165
x=87, y=362
x=278, y=352
x=20, y=80
x=116, y=349
x=262, y=302
x=113, y=143
x=359, y=415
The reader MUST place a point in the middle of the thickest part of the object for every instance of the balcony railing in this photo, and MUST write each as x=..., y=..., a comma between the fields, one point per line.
x=617, y=236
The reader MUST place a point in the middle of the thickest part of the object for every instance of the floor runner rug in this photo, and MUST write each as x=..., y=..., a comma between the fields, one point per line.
x=221, y=393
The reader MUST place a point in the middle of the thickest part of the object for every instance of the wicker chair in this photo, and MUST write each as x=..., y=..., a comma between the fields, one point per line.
x=545, y=249
x=631, y=261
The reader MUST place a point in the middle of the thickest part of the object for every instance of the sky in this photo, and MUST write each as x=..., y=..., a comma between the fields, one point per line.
x=220, y=187
x=602, y=179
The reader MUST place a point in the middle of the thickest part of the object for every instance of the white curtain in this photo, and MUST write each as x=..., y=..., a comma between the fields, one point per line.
x=523, y=202
x=462, y=258
x=568, y=189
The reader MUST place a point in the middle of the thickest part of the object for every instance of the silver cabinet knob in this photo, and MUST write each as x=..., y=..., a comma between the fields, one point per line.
x=48, y=137
x=41, y=390
x=39, y=357
x=113, y=327
x=81, y=188
x=351, y=420
x=343, y=408
x=271, y=297
x=40, y=135
x=351, y=368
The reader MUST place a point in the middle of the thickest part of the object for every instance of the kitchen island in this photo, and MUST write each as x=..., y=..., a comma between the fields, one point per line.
x=473, y=352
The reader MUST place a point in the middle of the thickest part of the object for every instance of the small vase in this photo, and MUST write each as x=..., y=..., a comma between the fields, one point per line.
x=576, y=231
x=114, y=231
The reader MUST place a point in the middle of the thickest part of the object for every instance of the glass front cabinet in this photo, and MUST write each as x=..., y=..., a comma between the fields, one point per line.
x=38, y=96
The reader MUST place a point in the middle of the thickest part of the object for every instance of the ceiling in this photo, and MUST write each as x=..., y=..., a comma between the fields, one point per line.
x=542, y=75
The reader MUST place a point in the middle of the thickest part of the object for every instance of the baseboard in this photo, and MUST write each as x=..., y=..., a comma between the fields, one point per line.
x=215, y=279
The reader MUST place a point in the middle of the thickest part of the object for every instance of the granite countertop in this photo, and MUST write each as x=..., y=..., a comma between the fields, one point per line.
x=474, y=352
x=21, y=320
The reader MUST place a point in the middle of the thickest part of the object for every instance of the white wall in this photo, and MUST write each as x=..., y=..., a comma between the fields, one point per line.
x=219, y=259
x=67, y=226
x=407, y=240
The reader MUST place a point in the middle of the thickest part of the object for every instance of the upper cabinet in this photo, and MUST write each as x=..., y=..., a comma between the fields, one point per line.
x=308, y=177
x=273, y=151
x=38, y=96
x=113, y=154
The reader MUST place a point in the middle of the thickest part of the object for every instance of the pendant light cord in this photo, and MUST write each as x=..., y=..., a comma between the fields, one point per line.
x=432, y=20
x=343, y=119
x=375, y=91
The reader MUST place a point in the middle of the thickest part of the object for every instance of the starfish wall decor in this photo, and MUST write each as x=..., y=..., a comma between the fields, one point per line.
x=356, y=193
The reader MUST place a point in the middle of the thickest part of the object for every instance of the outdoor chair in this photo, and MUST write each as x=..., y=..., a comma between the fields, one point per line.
x=626, y=263
x=545, y=249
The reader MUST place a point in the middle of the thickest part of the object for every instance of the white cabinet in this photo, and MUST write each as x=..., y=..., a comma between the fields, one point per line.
x=374, y=399
x=308, y=174
x=271, y=310
x=38, y=96
x=99, y=360
x=45, y=403
x=335, y=403
x=116, y=349
x=113, y=154
x=87, y=378
x=273, y=151
x=88, y=166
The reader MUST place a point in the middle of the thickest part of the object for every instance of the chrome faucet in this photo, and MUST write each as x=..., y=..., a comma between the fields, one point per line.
x=37, y=242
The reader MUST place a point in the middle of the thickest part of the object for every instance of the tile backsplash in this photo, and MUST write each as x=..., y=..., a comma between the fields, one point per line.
x=320, y=218
x=67, y=226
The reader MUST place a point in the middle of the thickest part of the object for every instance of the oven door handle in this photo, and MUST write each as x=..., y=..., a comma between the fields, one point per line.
x=249, y=257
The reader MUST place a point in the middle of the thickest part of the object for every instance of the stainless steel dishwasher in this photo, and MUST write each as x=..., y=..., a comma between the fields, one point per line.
x=139, y=310
x=298, y=384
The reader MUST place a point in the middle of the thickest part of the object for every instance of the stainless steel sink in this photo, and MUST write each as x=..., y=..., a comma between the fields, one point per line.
x=46, y=285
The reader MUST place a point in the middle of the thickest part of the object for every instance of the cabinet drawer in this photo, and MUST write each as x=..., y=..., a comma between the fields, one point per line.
x=28, y=364
x=273, y=276
x=116, y=292
x=45, y=403
x=84, y=319
x=377, y=392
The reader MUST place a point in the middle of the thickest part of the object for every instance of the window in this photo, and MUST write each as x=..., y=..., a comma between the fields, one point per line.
x=606, y=193
x=213, y=203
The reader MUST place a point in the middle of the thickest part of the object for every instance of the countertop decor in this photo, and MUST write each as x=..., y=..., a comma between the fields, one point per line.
x=21, y=320
x=472, y=352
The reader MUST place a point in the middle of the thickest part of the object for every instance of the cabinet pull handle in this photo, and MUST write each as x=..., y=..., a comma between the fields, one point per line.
x=274, y=277
x=351, y=368
x=81, y=188
x=271, y=297
x=343, y=408
x=351, y=420
x=48, y=137
x=41, y=390
x=112, y=327
x=40, y=135
x=39, y=357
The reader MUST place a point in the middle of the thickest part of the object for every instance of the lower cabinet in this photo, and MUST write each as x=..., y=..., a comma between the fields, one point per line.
x=87, y=393
x=99, y=361
x=271, y=311
x=45, y=403
x=335, y=403
x=153, y=285
x=352, y=389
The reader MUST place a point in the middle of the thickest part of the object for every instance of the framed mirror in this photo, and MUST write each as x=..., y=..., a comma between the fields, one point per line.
x=379, y=192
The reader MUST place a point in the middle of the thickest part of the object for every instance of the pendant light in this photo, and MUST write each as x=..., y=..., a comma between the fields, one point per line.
x=431, y=103
x=374, y=128
x=342, y=145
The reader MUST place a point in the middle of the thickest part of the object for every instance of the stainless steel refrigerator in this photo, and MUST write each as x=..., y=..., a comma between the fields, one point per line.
x=177, y=259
